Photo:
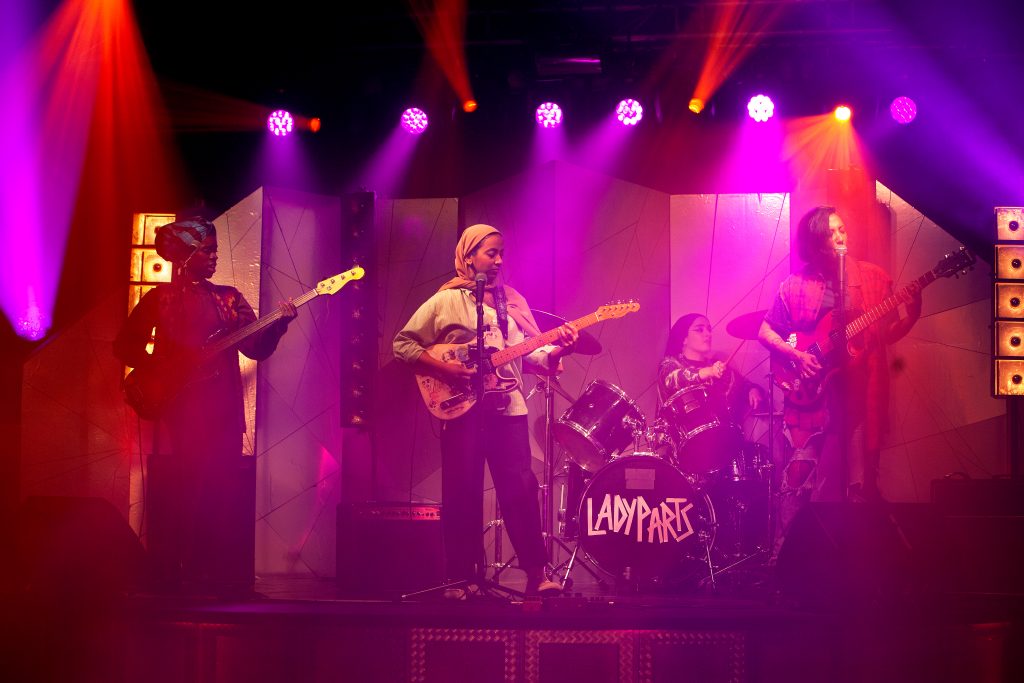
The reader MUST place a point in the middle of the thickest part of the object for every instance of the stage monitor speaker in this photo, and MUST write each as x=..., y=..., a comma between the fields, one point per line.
x=76, y=548
x=984, y=524
x=863, y=555
x=386, y=549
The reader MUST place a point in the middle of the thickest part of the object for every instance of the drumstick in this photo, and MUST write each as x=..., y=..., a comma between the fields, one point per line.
x=733, y=354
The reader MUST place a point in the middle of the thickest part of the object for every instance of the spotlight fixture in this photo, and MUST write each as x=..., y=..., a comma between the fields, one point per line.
x=843, y=113
x=469, y=106
x=280, y=123
x=314, y=125
x=549, y=115
x=414, y=121
x=629, y=112
x=903, y=110
x=760, y=108
x=696, y=105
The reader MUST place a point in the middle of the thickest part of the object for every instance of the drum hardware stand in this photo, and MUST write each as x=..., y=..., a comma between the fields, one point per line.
x=549, y=385
x=497, y=524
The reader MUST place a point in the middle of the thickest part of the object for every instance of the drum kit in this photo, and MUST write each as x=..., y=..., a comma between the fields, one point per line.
x=677, y=501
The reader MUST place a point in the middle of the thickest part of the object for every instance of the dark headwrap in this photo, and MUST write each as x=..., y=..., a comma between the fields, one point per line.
x=177, y=241
x=677, y=335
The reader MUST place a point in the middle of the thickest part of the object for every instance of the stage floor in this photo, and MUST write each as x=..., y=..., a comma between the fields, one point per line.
x=301, y=628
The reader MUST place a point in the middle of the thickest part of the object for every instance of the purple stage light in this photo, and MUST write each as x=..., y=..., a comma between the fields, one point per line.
x=903, y=110
x=760, y=108
x=31, y=325
x=629, y=112
x=280, y=123
x=414, y=121
x=549, y=115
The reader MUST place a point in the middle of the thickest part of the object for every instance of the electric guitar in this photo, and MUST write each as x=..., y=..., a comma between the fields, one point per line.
x=147, y=389
x=448, y=399
x=836, y=348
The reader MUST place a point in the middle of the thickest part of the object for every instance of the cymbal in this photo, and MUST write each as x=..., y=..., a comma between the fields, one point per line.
x=587, y=344
x=746, y=326
x=777, y=413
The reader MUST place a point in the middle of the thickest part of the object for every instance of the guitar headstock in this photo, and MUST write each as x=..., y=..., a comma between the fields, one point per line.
x=956, y=263
x=617, y=309
x=333, y=284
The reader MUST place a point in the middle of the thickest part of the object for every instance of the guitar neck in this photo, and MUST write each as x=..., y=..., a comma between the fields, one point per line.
x=885, y=307
x=254, y=327
x=499, y=358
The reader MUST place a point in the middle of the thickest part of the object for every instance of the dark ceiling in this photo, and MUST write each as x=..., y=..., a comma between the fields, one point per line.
x=357, y=67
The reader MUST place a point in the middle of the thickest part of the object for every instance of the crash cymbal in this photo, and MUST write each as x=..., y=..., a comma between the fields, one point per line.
x=746, y=326
x=777, y=413
x=587, y=344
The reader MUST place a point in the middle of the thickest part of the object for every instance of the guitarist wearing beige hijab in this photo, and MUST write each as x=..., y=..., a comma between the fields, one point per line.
x=483, y=409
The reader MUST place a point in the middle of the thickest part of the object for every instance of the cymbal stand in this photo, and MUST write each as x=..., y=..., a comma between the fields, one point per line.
x=549, y=385
x=771, y=460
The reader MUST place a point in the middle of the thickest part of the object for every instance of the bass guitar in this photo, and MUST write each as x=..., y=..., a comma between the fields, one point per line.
x=446, y=399
x=147, y=389
x=835, y=348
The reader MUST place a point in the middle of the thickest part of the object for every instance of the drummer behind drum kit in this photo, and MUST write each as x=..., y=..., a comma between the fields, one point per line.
x=676, y=502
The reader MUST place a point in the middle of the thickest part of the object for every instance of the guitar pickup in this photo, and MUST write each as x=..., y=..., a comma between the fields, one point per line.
x=455, y=400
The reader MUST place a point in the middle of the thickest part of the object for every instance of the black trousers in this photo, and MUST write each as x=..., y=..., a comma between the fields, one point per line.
x=466, y=442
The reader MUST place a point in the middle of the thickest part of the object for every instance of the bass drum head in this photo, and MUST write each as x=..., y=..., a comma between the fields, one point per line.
x=642, y=520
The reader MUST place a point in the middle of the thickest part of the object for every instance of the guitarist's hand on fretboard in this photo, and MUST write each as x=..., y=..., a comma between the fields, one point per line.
x=288, y=311
x=568, y=335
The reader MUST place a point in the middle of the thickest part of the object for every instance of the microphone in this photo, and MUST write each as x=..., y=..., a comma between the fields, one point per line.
x=841, y=295
x=481, y=282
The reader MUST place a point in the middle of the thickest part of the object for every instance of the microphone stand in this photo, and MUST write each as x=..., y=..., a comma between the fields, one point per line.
x=839, y=404
x=478, y=380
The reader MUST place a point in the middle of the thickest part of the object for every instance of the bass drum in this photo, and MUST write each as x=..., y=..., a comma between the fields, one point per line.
x=642, y=520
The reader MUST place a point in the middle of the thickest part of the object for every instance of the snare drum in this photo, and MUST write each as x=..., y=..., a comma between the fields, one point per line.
x=600, y=424
x=641, y=519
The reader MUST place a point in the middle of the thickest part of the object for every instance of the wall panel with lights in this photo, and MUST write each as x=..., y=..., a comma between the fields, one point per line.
x=1008, y=300
x=359, y=332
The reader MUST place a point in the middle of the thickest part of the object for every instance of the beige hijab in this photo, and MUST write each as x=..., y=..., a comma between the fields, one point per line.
x=517, y=306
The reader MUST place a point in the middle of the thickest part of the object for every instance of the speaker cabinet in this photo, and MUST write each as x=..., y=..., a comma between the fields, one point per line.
x=850, y=555
x=983, y=520
x=76, y=547
x=386, y=549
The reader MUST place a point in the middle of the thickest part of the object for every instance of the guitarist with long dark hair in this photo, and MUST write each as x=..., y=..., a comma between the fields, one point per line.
x=493, y=428
x=837, y=393
x=196, y=463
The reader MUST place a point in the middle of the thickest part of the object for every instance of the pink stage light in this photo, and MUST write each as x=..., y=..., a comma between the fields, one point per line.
x=843, y=113
x=549, y=115
x=760, y=108
x=280, y=123
x=629, y=112
x=414, y=121
x=903, y=110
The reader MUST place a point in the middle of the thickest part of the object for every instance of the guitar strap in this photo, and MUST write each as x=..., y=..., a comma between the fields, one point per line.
x=501, y=306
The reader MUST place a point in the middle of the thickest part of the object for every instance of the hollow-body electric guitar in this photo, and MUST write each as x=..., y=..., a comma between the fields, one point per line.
x=835, y=348
x=448, y=399
x=147, y=389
